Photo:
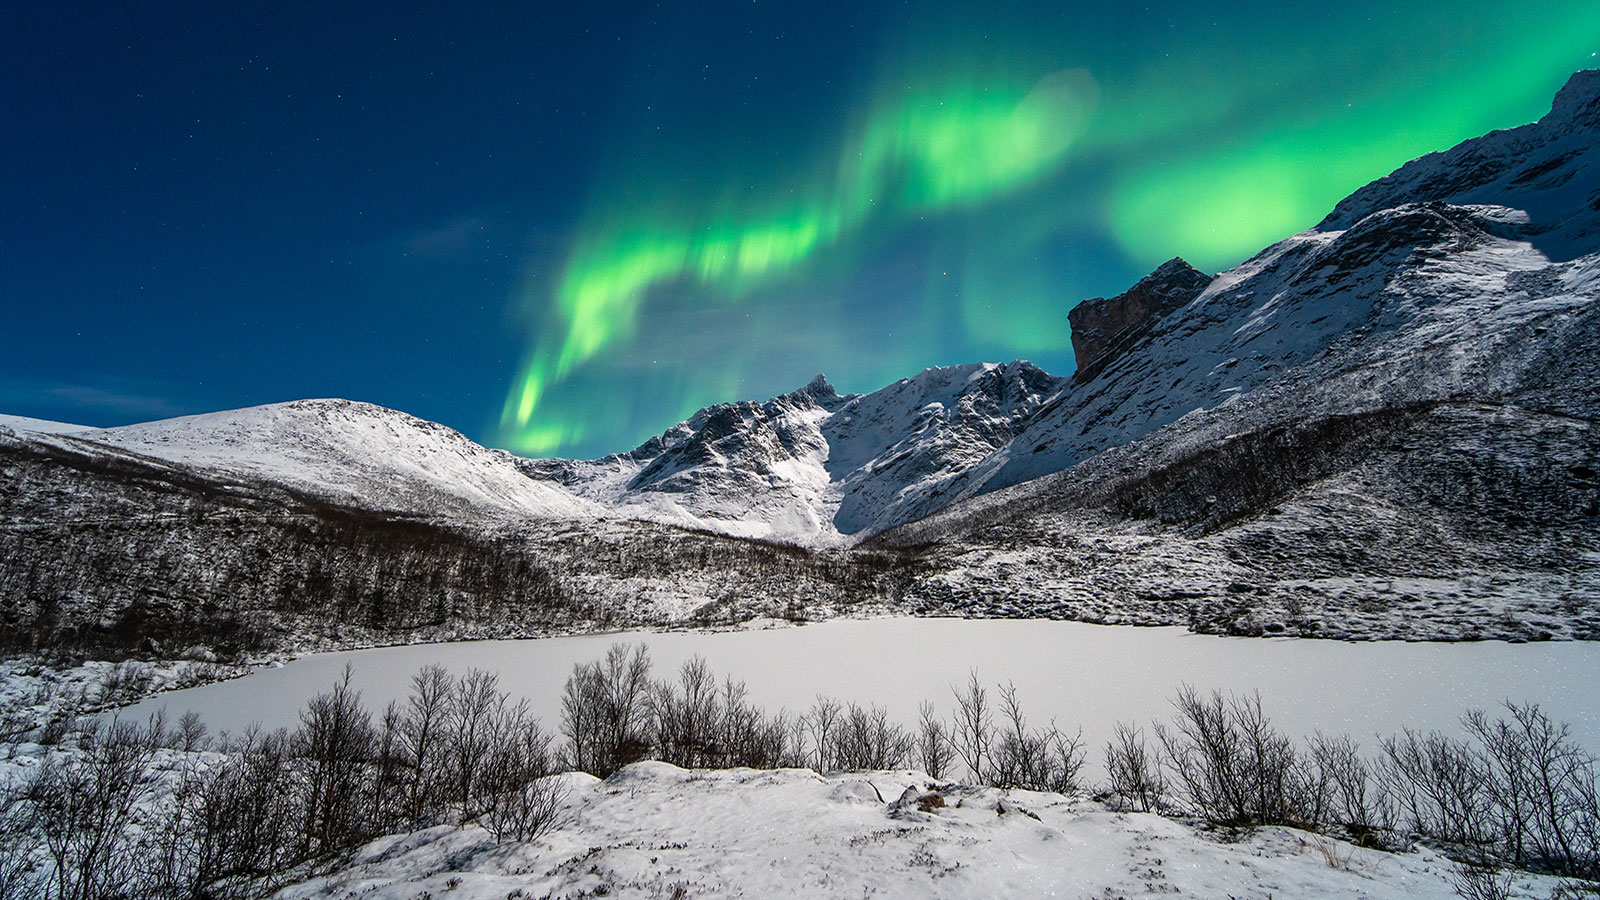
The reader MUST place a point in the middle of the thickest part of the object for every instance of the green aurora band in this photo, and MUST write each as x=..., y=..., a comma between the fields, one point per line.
x=1180, y=163
x=932, y=151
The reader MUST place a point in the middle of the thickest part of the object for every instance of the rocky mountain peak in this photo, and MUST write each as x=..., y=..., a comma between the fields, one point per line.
x=817, y=391
x=1104, y=328
x=1579, y=100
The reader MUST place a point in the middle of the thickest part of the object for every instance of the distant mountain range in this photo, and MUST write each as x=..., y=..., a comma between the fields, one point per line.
x=1381, y=427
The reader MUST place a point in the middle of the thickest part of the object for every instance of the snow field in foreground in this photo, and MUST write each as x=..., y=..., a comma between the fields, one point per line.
x=657, y=831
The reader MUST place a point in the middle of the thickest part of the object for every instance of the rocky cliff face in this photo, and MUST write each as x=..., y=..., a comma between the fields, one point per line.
x=1103, y=328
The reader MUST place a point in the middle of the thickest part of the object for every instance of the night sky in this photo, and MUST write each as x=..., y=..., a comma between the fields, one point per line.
x=561, y=227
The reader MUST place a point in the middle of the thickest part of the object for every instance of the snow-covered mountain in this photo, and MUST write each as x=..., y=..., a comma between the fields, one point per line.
x=1471, y=272
x=812, y=465
x=1460, y=275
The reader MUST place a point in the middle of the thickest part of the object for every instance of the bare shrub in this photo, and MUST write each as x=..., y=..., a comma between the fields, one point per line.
x=605, y=709
x=190, y=735
x=1341, y=790
x=125, y=683
x=421, y=741
x=1031, y=759
x=249, y=816
x=933, y=750
x=1228, y=763
x=1137, y=782
x=83, y=808
x=686, y=715
x=1541, y=790
x=1437, y=785
x=472, y=715
x=521, y=798
x=335, y=744
x=822, y=722
x=1480, y=881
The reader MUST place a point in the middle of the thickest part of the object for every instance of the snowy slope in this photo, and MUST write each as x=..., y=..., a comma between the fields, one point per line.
x=656, y=831
x=1460, y=275
x=812, y=465
x=40, y=426
x=350, y=453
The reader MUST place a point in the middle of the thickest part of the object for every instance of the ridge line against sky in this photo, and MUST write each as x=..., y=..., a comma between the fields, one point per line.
x=563, y=230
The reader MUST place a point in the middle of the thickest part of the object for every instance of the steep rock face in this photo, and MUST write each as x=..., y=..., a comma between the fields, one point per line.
x=895, y=452
x=1103, y=328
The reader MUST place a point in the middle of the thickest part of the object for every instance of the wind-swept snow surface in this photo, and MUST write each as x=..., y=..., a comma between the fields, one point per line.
x=657, y=831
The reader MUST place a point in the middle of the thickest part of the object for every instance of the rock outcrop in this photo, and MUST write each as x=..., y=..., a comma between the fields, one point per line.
x=1104, y=328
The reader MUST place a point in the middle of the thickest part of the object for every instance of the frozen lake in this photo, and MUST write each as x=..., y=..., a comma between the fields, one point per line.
x=1082, y=675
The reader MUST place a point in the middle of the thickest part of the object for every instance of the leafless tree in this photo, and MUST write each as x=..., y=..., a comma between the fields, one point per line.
x=421, y=730
x=934, y=752
x=335, y=743
x=1228, y=763
x=1437, y=785
x=1135, y=772
x=973, y=731
x=605, y=709
x=823, y=723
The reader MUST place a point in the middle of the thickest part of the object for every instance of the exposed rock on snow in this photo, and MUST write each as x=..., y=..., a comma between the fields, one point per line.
x=1103, y=329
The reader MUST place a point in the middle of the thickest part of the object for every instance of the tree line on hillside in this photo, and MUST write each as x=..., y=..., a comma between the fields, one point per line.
x=118, y=810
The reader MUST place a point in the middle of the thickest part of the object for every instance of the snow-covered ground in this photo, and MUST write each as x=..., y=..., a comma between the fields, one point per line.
x=656, y=831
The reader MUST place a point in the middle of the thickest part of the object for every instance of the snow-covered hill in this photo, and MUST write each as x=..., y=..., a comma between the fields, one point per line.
x=40, y=426
x=349, y=453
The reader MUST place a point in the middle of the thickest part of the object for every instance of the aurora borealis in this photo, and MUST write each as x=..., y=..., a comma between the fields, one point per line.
x=561, y=231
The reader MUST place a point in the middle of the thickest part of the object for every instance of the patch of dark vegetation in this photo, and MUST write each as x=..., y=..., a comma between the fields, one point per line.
x=116, y=556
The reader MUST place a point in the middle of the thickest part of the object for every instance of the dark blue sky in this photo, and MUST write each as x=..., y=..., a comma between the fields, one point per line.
x=219, y=205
